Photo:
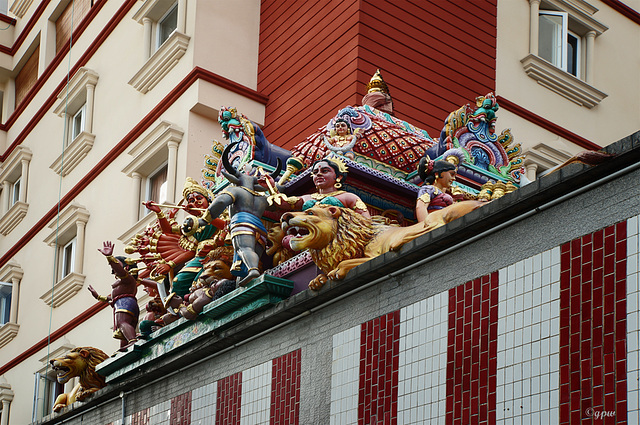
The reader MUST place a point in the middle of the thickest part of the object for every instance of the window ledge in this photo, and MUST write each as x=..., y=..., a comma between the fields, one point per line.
x=74, y=153
x=13, y=217
x=161, y=62
x=8, y=331
x=19, y=7
x=64, y=289
x=562, y=82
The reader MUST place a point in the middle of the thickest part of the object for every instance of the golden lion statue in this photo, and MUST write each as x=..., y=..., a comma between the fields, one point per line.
x=81, y=362
x=340, y=239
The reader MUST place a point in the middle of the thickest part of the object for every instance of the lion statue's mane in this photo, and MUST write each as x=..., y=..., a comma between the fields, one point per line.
x=353, y=233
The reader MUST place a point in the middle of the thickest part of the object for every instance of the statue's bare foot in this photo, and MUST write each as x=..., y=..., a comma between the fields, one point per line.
x=253, y=273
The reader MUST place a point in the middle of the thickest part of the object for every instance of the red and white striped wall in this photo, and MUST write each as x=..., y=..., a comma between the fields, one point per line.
x=267, y=394
x=552, y=339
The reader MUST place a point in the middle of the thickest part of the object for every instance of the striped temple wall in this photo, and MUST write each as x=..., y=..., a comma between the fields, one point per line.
x=552, y=339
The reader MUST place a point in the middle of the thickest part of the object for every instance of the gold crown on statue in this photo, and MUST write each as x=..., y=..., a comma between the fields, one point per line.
x=191, y=186
x=342, y=167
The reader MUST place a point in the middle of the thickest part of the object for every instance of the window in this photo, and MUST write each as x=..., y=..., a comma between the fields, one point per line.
x=157, y=185
x=153, y=169
x=15, y=191
x=77, y=122
x=69, y=19
x=47, y=388
x=5, y=302
x=27, y=77
x=562, y=49
x=166, y=26
x=14, y=179
x=67, y=237
x=10, y=278
x=67, y=253
x=75, y=104
x=557, y=44
x=164, y=43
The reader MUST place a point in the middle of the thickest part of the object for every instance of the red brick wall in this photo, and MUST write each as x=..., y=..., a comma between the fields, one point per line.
x=472, y=352
x=317, y=57
x=593, y=311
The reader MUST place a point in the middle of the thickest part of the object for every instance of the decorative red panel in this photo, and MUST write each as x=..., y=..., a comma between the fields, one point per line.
x=378, y=389
x=593, y=313
x=285, y=389
x=472, y=352
x=181, y=409
x=228, y=397
x=317, y=57
x=140, y=418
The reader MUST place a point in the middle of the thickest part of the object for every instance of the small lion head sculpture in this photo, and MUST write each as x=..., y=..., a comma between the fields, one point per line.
x=80, y=362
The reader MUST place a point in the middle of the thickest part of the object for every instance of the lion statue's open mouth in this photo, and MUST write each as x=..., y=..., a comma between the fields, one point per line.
x=312, y=229
x=62, y=372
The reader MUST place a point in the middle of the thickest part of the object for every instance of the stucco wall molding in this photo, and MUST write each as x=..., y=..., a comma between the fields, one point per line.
x=73, y=154
x=161, y=62
x=13, y=217
x=19, y=7
x=562, y=82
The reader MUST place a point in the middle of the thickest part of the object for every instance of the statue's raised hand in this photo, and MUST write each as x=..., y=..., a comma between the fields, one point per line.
x=107, y=248
x=93, y=292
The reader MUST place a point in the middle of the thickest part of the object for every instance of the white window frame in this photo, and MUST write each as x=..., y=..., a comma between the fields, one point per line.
x=11, y=273
x=5, y=302
x=562, y=48
x=159, y=57
x=15, y=191
x=14, y=178
x=77, y=126
x=159, y=40
x=47, y=374
x=66, y=259
x=45, y=395
x=67, y=230
x=581, y=24
x=149, y=185
x=76, y=99
x=159, y=147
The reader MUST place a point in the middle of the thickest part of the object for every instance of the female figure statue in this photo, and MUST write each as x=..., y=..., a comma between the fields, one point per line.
x=435, y=206
x=328, y=175
x=438, y=176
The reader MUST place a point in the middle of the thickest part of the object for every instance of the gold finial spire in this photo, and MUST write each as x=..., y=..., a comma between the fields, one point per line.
x=377, y=84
